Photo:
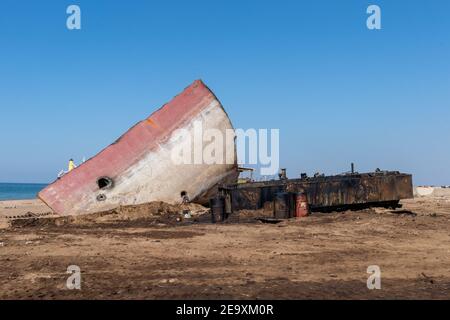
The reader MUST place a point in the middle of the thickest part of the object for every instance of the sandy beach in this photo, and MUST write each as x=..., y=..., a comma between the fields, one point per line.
x=22, y=207
x=145, y=253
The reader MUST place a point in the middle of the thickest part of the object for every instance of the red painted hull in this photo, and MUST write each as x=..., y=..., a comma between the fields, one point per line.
x=77, y=191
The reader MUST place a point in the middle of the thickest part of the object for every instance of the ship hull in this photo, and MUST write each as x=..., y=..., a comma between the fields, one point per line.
x=140, y=168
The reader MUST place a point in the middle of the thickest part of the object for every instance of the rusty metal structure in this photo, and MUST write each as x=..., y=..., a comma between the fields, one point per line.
x=327, y=193
x=139, y=168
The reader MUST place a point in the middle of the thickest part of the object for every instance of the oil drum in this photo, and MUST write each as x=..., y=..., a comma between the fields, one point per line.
x=282, y=206
x=217, y=206
x=301, y=205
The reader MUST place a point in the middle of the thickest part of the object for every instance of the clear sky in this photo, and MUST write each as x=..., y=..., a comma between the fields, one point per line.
x=338, y=92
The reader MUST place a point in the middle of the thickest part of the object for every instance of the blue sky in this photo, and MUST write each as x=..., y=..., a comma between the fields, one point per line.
x=338, y=92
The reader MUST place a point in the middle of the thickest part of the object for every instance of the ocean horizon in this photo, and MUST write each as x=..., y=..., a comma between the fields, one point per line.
x=20, y=191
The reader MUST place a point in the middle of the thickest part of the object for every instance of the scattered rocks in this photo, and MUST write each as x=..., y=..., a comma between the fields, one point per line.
x=166, y=281
x=427, y=278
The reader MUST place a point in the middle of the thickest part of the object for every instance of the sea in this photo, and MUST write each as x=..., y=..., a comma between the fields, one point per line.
x=20, y=191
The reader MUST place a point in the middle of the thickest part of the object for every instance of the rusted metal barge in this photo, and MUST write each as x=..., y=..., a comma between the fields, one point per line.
x=327, y=193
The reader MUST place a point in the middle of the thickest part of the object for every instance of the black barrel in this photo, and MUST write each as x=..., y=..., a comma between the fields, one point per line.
x=228, y=206
x=217, y=206
x=283, y=205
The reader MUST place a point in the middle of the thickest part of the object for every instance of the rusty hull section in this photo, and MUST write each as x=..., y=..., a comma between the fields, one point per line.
x=341, y=192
